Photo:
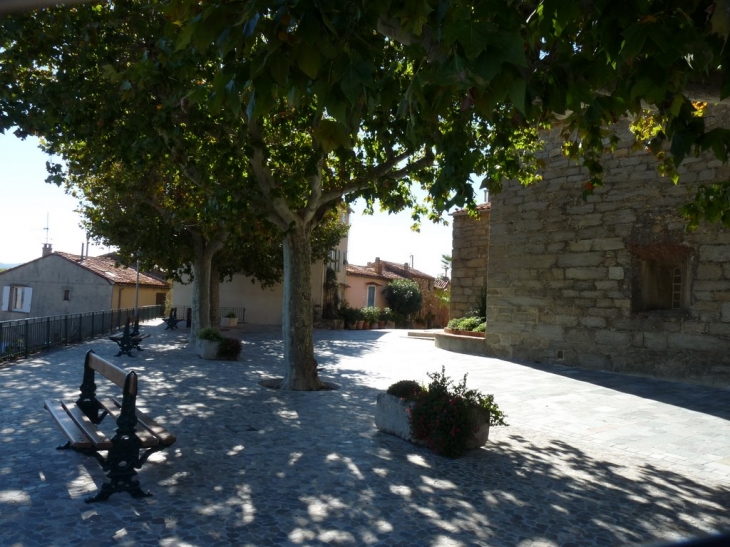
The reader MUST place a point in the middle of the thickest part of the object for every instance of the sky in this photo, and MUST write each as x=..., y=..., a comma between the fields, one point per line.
x=28, y=204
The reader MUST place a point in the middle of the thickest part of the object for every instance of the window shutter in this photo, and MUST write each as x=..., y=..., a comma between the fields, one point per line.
x=6, y=298
x=27, y=294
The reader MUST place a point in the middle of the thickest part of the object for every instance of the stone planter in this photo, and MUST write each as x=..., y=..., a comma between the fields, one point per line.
x=207, y=349
x=465, y=333
x=229, y=321
x=392, y=416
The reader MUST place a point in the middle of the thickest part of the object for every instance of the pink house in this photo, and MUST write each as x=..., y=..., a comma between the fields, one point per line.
x=365, y=284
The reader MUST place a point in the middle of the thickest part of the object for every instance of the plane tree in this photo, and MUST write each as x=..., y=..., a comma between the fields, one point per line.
x=330, y=100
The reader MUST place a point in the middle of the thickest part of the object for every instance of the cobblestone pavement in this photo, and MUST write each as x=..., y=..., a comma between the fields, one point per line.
x=589, y=459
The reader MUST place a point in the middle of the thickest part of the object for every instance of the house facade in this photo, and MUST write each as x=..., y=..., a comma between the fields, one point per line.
x=264, y=305
x=613, y=282
x=366, y=285
x=62, y=283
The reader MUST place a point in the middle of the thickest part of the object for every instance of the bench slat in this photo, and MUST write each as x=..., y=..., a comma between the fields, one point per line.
x=166, y=438
x=146, y=438
x=98, y=439
x=76, y=436
x=116, y=374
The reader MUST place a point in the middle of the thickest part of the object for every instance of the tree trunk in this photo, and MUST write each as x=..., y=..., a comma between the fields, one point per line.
x=301, y=368
x=202, y=264
x=215, y=296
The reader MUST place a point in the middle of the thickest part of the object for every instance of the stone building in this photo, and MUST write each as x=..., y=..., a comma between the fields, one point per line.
x=613, y=282
x=469, y=259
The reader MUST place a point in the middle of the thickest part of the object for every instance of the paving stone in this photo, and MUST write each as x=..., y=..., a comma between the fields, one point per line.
x=258, y=467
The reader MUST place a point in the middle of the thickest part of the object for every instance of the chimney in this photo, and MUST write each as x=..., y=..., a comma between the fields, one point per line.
x=47, y=249
x=378, y=266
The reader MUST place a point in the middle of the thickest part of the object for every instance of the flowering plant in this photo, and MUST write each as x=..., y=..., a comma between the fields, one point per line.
x=444, y=414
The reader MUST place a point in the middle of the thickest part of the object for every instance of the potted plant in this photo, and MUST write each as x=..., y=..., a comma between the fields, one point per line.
x=230, y=320
x=208, y=342
x=446, y=417
x=350, y=315
x=229, y=349
x=360, y=320
x=370, y=316
x=383, y=317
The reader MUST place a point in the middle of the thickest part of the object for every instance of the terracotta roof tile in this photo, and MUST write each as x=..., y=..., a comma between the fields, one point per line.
x=481, y=207
x=390, y=270
x=106, y=267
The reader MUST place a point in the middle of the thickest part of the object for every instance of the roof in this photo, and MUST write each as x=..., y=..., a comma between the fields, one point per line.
x=390, y=271
x=442, y=283
x=108, y=268
x=482, y=207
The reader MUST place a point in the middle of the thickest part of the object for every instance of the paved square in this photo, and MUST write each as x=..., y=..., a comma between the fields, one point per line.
x=590, y=458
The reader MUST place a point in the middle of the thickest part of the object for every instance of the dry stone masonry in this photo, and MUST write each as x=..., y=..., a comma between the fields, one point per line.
x=469, y=258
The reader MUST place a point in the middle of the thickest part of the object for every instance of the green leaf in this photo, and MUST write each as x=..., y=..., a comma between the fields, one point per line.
x=309, y=60
x=332, y=135
x=516, y=91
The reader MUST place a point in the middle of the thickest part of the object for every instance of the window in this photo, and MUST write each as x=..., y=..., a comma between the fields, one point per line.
x=371, y=295
x=67, y=294
x=335, y=261
x=16, y=298
x=661, y=286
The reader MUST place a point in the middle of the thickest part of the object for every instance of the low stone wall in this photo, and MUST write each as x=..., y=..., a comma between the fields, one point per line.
x=457, y=343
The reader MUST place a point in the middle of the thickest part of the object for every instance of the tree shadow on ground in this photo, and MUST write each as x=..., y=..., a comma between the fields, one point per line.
x=695, y=397
x=254, y=466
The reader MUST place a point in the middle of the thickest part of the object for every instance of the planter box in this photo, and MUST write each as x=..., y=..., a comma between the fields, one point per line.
x=229, y=321
x=207, y=349
x=391, y=416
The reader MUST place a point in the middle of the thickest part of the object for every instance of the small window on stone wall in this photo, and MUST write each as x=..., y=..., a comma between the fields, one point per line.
x=660, y=280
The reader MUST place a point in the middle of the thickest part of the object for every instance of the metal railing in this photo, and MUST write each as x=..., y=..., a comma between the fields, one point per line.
x=184, y=312
x=21, y=337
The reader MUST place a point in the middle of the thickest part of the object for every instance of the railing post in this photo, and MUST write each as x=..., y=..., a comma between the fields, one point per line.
x=65, y=330
x=91, y=336
x=48, y=332
x=27, y=337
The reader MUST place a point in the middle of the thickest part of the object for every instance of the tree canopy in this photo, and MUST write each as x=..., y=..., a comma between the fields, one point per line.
x=285, y=108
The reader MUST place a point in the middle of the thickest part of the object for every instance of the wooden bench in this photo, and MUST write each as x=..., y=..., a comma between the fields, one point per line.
x=127, y=341
x=137, y=435
x=172, y=321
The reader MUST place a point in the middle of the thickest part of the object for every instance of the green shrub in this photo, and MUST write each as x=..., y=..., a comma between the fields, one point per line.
x=229, y=349
x=406, y=389
x=467, y=323
x=442, y=415
x=210, y=333
x=385, y=314
x=370, y=313
x=231, y=314
x=403, y=296
x=481, y=327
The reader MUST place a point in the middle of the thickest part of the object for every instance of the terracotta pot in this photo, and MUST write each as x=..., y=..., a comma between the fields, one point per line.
x=359, y=324
x=381, y=324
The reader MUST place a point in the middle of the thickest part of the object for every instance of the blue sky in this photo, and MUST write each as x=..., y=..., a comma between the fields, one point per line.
x=27, y=199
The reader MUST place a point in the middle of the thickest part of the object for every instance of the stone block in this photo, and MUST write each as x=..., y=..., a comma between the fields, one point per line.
x=655, y=341
x=593, y=322
x=586, y=273
x=574, y=260
x=613, y=338
x=551, y=332
x=715, y=253
x=608, y=244
x=582, y=246
x=615, y=272
x=725, y=313
x=709, y=272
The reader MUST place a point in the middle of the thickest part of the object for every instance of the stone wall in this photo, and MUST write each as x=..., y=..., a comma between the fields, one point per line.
x=469, y=258
x=574, y=281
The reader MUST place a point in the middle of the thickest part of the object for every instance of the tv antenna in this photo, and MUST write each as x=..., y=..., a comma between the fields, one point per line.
x=46, y=229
